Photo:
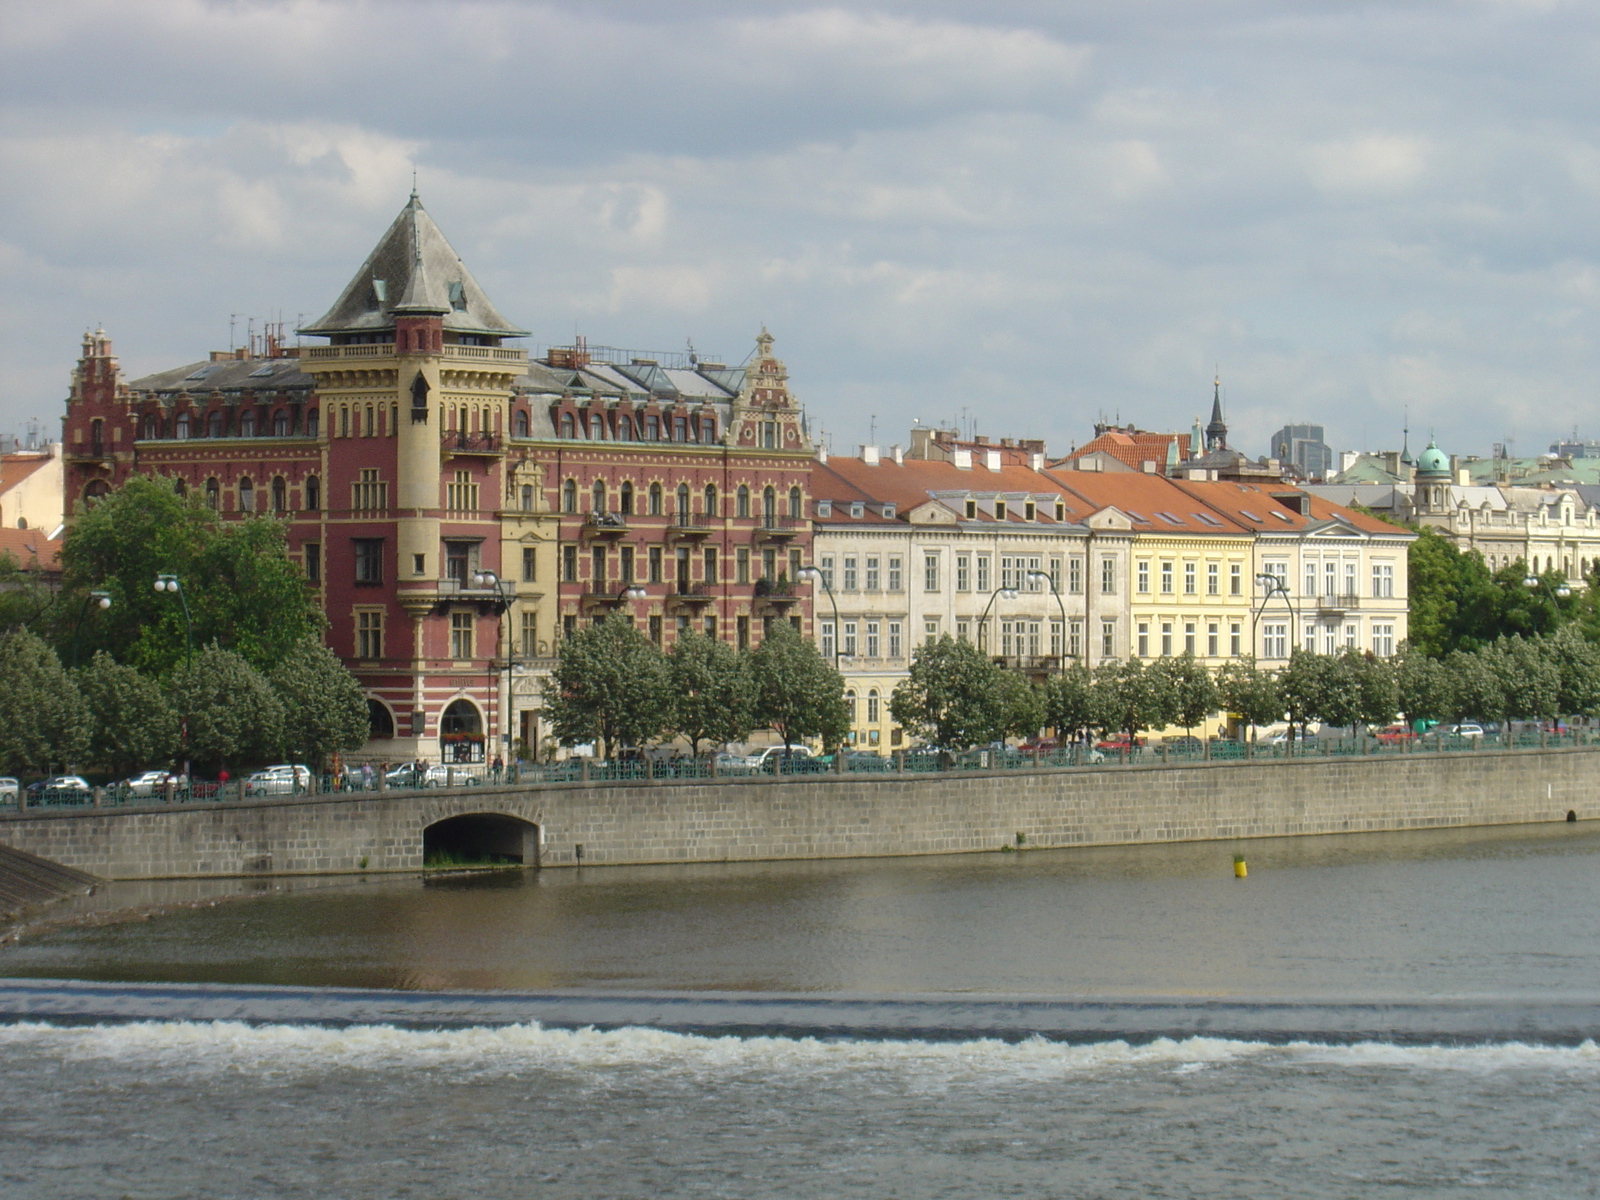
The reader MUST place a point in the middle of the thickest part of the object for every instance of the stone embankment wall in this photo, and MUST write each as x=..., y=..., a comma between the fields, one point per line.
x=829, y=817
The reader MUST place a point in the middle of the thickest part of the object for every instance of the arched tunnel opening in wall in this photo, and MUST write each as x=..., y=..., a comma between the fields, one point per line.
x=481, y=839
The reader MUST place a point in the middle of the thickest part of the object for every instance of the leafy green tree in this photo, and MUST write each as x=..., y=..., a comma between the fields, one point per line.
x=609, y=686
x=243, y=591
x=1341, y=700
x=1423, y=687
x=1473, y=688
x=131, y=725
x=324, y=710
x=953, y=697
x=1380, y=692
x=1303, y=684
x=1249, y=693
x=797, y=692
x=1069, y=703
x=711, y=691
x=1530, y=680
x=24, y=598
x=43, y=720
x=1191, y=693
x=227, y=710
x=1577, y=661
x=1021, y=706
x=1126, y=699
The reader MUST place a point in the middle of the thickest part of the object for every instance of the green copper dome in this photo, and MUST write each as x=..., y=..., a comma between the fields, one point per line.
x=1433, y=461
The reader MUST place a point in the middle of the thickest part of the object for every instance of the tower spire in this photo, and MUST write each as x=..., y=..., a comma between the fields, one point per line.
x=1217, y=430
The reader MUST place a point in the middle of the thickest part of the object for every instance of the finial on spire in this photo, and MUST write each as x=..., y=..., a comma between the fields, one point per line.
x=413, y=183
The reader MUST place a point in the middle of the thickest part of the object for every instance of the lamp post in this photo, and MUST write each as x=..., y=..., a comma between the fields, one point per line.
x=813, y=572
x=997, y=594
x=169, y=583
x=1061, y=604
x=96, y=598
x=1272, y=585
x=502, y=604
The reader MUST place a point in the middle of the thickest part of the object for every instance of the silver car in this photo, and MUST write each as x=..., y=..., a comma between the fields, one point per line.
x=283, y=780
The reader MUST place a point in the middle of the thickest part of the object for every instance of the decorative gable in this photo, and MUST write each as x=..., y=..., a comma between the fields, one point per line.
x=764, y=414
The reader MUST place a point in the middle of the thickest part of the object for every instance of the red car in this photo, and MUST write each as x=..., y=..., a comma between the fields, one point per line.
x=1393, y=735
x=1117, y=743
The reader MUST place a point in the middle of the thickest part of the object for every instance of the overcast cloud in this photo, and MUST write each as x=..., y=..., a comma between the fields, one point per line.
x=1028, y=213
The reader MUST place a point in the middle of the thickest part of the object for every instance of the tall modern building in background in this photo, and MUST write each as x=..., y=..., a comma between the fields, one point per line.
x=1303, y=447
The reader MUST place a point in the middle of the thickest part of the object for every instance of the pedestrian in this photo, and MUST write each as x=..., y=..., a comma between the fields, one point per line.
x=366, y=777
x=499, y=766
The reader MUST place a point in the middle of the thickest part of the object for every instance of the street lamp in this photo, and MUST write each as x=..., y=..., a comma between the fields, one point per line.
x=1061, y=604
x=1272, y=585
x=169, y=583
x=1533, y=581
x=816, y=573
x=95, y=599
x=997, y=594
x=484, y=578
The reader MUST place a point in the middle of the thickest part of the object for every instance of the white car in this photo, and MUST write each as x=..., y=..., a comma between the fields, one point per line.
x=768, y=759
x=8, y=789
x=151, y=783
x=283, y=780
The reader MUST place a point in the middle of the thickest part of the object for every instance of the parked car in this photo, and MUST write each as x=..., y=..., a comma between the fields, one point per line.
x=1456, y=731
x=1041, y=744
x=8, y=789
x=151, y=783
x=772, y=758
x=1287, y=736
x=732, y=764
x=282, y=780
x=454, y=775
x=1396, y=734
x=1184, y=744
x=69, y=789
x=859, y=760
x=1117, y=743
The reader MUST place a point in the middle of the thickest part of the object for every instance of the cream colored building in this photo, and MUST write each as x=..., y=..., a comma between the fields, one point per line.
x=31, y=489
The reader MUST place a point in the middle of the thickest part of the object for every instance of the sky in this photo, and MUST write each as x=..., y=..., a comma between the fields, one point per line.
x=1017, y=217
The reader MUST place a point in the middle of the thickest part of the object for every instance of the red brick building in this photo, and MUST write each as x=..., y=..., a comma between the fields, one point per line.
x=456, y=506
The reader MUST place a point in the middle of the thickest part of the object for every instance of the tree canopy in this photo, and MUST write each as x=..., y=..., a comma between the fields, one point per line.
x=712, y=695
x=797, y=692
x=609, y=685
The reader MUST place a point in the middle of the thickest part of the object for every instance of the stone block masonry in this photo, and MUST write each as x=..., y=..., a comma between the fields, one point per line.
x=827, y=816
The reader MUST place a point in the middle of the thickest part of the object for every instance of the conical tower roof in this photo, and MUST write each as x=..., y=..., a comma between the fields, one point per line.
x=413, y=270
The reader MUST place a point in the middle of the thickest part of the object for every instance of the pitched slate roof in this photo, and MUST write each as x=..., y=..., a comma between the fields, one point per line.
x=413, y=269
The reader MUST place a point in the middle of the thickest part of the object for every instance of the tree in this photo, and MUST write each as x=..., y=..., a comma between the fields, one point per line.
x=1302, y=685
x=42, y=716
x=1021, y=706
x=227, y=711
x=1423, y=687
x=1191, y=694
x=797, y=693
x=243, y=591
x=324, y=710
x=709, y=684
x=1529, y=678
x=1249, y=692
x=1577, y=662
x=24, y=598
x=1379, y=689
x=953, y=697
x=1126, y=700
x=1473, y=688
x=609, y=685
x=1068, y=701
x=131, y=725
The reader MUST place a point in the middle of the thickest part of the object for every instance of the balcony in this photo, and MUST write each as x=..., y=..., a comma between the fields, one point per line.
x=776, y=594
x=486, y=445
x=692, y=595
x=1339, y=603
x=781, y=529
x=89, y=452
x=605, y=527
x=452, y=353
x=684, y=527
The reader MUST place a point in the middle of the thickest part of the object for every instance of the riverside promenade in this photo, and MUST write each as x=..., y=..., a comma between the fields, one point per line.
x=578, y=824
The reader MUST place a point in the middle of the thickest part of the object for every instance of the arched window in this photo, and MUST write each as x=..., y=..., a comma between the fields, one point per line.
x=850, y=706
x=152, y=428
x=213, y=494
x=372, y=424
x=683, y=500
x=214, y=425
x=379, y=719
x=872, y=707
x=566, y=425
x=795, y=503
x=652, y=428
x=519, y=424
x=247, y=495
x=769, y=505
x=597, y=494
x=624, y=428
x=313, y=490
x=280, y=424
x=625, y=499
x=95, y=490
x=711, y=499
x=311, y=423
x=569, y=496
x=461, y=732
x=247, y=424
x=344, y=421
x=280, y=494
x=655, y=499
x=597, y=427
x=182, y=429
x=743, y=502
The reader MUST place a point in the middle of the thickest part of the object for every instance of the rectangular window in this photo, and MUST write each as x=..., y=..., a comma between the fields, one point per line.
x=1352, y=636
x=530, y=573
x=963, y=572
x=1074, y=639
x=1188, y=637
x=1235, y=639
x=709, y=628
x=1274, y=640
x=680, y=568
x=1108, y=576
x=625, y=564
x=796, y=561
x=1349, y=580
x=656, y=628
x=711, y=566
x=1055, y=575
x=597, y=569
x=1310, y=640
x=457, y=561
x=1330, y=579
x=1055, y=639
x=1142, y=579
x=872, y=575
x=569, y=625
x=930, y=572
x=1006, y=638
x=874, y=628
x=851, y=573
x=1035, y=574
x=981, y=564
x=964, y=631
x=825, y=638
x=461, y=636
x=369, y=633
x=1212, y=582
x=1166, y=639
x=1075, y=576
x=1033, y=639
x=1382, y=639
x=655, y=564
x=1166, y=579
x=569, y=564
x=769, y=563
x=847, y=643
x=1143, y=641
x=1235, y=579
x=930, y=632
x=1311, y=579
x=369, y=493
x=1188, y=579
x=825, y=564
x=1108, y=639
x=896, y=580
x=1010, y=574
x=313, y=559
x=895, y=646
x=1382, y=581
x=741, y=564
x=741, y=627
x=461, y=493
x=1330, y=639
x=369, y=560
x=530, y=635
x=1212, y=640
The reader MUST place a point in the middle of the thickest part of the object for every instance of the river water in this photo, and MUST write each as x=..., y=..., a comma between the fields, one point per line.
x=1397, y=1014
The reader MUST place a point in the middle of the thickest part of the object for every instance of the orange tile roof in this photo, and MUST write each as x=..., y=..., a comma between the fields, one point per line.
x=30, y=548
x=1154, y=502
x=14, y=468
x=1133, y=449
x=915, y=481
x=1253, y=506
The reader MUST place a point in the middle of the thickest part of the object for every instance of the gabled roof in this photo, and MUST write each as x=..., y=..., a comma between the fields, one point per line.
x=31, y=549
x=1260, y=508
x=14, y=468
x=413, y=269
x=918, y=481
x=1155, y=504
x=1134, y=449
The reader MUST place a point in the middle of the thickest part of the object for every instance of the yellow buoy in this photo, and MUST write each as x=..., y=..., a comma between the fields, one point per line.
x=1239, y=869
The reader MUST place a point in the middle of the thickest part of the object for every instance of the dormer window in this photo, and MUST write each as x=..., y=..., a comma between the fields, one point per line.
x=857, y=510
x=458, y=296
x=972, y=510
x=999, y=509
x=888, y=512
x=1028, y=511
x=1061, y=510
x=824, y=508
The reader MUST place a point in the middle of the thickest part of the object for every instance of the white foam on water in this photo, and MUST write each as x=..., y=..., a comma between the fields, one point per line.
x=278, y=1050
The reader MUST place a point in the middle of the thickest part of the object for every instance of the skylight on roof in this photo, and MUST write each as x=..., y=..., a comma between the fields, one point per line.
x=262, y=371
x=1143, y=520
x=1208, y=520
x=1284, y=517
x=1245, y=512
x=202, y=372
x=1169, y=518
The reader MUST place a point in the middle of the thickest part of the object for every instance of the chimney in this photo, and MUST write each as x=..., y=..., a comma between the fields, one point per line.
x=1036, y=461
x=899, y=457
x=822, y=454
x=922, y=443
x=991, y=459
x=1149, y=467
x=869, y=455
x=962, y=459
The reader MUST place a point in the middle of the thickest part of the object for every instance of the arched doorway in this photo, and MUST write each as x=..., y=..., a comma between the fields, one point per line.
x=481, y=839
x=461, y=733
x=380, y=719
